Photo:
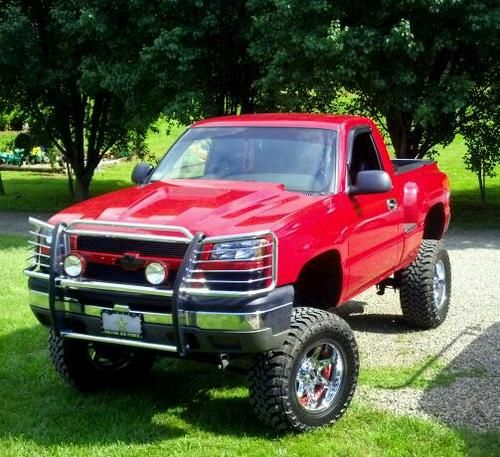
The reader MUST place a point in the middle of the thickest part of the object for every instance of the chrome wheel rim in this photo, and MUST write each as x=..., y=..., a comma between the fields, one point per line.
x=319, y=377
x=439, y=284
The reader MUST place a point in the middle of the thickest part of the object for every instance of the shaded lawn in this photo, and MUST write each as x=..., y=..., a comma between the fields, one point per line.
x=42, y=192
x=180, y=409
x=32, y=192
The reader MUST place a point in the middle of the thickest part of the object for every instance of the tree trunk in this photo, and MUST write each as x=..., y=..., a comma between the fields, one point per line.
x=2, y=190
x=81, y=187
x=71, y=186
x=481, y=177
x=400, y=132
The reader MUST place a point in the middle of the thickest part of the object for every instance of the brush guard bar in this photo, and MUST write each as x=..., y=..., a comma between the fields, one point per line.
x=49, y=265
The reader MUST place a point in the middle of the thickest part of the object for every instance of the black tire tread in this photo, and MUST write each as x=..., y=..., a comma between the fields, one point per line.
x=71, y=361
x=416, y=289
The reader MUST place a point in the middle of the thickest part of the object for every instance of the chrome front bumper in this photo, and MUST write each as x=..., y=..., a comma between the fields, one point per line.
x=201, y=319
x=255, y=331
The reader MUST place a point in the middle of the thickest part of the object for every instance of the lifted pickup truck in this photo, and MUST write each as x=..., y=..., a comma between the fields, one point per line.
x=238, y=248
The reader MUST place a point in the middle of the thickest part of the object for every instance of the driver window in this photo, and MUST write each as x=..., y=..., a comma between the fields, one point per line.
x=364, y=155
x=191, y=164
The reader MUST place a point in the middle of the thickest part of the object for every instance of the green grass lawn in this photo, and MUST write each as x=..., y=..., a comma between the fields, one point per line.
x=179, y=409
x=467, y=210
x=32, y=192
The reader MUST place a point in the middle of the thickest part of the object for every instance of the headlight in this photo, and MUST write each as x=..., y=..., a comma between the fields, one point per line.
x=155, y=273
x=73, y=265
x=238, y=250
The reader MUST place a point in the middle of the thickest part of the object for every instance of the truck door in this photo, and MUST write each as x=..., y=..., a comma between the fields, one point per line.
x=375, y=221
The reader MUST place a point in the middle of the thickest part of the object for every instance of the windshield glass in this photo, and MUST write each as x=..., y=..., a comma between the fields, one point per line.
x=300, y=158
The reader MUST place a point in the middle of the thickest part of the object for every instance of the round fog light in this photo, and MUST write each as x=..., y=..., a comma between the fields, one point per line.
x=155, y=273
x=73, y=265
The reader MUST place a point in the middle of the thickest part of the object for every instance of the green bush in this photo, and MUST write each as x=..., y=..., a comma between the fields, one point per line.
x=7, y=141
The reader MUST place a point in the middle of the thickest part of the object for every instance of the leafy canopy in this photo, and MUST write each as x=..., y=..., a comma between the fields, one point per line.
x=412, y=61
x=81, y=72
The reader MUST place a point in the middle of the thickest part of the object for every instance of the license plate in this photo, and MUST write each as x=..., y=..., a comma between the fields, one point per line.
x=122, y=324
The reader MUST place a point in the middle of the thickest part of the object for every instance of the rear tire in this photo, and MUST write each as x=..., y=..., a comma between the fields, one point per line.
x=310, y=380
x=425, y=286
x=89, y=366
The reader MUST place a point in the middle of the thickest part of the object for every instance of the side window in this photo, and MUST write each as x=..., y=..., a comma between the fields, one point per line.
x=364, y=155
x=192, y=163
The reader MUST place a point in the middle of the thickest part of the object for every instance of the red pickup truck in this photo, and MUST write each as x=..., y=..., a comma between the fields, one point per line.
x=237, y=248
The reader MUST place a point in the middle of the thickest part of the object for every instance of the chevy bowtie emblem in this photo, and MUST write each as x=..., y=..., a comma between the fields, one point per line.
x=131, y=262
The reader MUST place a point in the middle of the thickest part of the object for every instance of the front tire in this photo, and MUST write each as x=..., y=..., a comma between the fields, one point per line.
x=91, y=366
x=425, y=286
x=310, y=380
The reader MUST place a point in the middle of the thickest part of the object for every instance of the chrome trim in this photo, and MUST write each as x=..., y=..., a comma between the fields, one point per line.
x=31, y=232
x=203, y=320
x=409, y=227
x=39, y=223
x=239, y=236
x=39, y=254
x=250, y=270
x=228, y=281
x=121, y=342
x=41, y=300
x=128, y=236
x=165, y=228
x=36, y=274
x=206, y=320
x=253, y=259
x=113, y=287
x=234, y=249
x=225, y=293
x=34, y=243
x=149, y=317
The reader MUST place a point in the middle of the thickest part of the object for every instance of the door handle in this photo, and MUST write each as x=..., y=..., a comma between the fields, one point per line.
x=392, y=204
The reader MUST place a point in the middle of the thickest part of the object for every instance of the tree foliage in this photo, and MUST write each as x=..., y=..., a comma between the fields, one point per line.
x=413, y=61
x=77, y=70
x=481, y=126
x=94, y=74
x=215, y=75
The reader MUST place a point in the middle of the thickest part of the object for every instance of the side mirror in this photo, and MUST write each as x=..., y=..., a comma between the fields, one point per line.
x=141, y=173
x=371, y=182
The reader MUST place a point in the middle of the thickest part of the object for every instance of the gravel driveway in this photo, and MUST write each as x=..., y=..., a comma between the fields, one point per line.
x=17, y=223
x=467, y=344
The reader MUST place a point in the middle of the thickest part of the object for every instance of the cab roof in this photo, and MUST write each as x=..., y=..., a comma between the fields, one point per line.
x=320, y=121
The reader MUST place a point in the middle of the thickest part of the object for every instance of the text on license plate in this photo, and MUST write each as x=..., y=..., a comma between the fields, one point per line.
x=122, y=324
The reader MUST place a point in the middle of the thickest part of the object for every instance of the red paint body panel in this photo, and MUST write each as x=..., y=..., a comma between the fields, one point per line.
x=370, y=239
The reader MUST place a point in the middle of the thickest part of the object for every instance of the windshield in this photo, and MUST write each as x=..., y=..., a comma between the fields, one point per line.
x=299, y=158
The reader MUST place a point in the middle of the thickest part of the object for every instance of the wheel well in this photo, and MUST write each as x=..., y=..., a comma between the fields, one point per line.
x=320, y=281
x=434, y=223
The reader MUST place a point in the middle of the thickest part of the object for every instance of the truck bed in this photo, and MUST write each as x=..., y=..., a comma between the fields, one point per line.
x=404, y=165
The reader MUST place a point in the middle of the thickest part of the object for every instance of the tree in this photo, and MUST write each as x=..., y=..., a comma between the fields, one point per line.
x=412, y=62
x=79, y=72
x=481, y=124
x=216, y=74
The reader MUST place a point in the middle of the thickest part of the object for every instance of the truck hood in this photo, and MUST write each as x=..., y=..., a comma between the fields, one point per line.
x=214, y=207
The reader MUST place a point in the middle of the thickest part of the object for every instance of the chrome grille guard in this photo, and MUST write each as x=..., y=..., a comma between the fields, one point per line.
x=48, y=264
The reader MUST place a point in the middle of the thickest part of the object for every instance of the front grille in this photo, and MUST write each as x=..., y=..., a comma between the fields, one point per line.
x=123, y=245
x=115, y=273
